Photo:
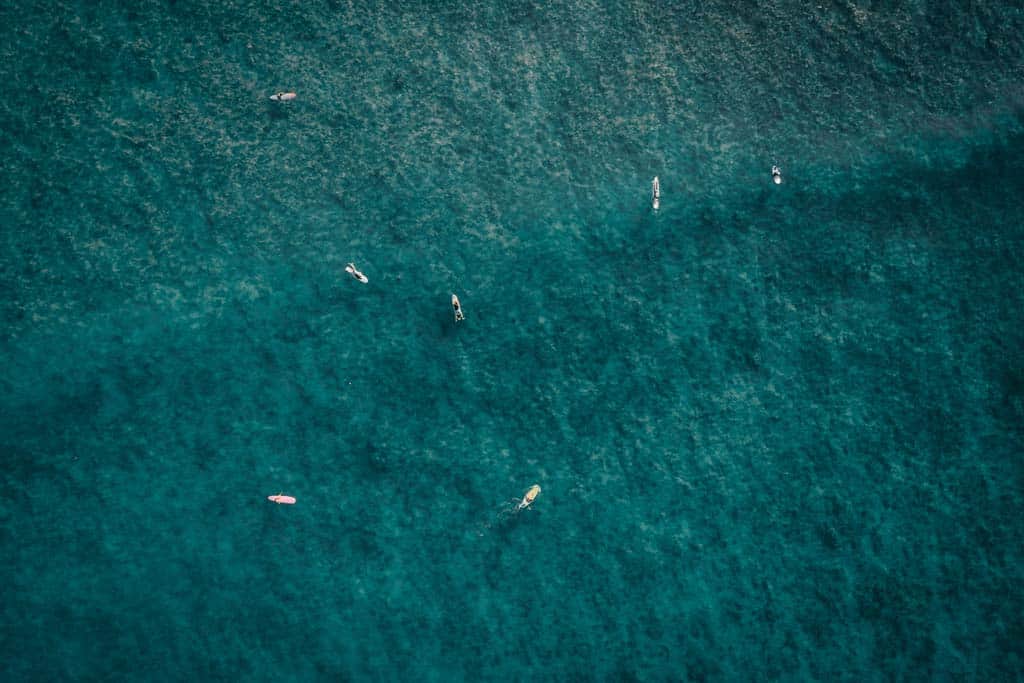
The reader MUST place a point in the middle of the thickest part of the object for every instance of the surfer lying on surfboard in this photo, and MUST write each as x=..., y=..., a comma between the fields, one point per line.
x=510, y=509
x=283, y=96
x=776, y=175
x=355, y=272
x=655, y=193
x=529, y=497
x=457, y=307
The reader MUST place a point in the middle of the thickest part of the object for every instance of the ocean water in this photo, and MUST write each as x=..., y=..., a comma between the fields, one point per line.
x=779, y=429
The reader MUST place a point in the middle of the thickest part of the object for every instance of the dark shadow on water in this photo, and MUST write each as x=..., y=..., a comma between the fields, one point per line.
x=276, y=111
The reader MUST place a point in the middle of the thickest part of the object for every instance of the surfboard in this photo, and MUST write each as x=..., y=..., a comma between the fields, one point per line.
x=354, y=272
x=457, y=307
x=530, y=496
x=282, y=500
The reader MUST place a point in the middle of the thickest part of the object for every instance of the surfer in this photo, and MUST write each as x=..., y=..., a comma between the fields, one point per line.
x=776, y=175
x=511, y=508
x=457, y=307
x=283, y=96
x=355, y=272
x=529, y=497
x=656, y=193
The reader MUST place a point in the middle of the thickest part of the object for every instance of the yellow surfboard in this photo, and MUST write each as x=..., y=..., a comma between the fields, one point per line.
x=529, y=497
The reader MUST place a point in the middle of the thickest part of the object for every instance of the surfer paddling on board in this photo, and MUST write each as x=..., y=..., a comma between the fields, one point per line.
x=457, y=307
x=283, y=96
x=529, y=497
x=511, y=508
x=356, y=273
x=655, y=193
x=776, y=175
x=282, y=500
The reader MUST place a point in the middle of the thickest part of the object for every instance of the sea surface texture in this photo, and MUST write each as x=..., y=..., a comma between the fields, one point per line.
x=779, y=429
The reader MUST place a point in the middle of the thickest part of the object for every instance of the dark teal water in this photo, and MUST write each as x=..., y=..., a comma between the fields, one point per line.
x=779, y=430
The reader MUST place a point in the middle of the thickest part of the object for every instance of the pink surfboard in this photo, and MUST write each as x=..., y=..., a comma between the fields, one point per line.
x=282, y=500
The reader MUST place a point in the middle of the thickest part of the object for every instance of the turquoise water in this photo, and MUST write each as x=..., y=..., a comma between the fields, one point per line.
x=779, y=429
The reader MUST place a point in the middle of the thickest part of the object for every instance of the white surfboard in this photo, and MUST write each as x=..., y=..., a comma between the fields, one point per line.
x=356, y=273
x=457, y=307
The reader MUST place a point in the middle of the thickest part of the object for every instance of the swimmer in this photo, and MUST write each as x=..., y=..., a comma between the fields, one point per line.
x=354, y=272
x=529, y=497
x=282, y=500
x=283, y=96
x=457, y=307
x=656, y=193
x=776, y=175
